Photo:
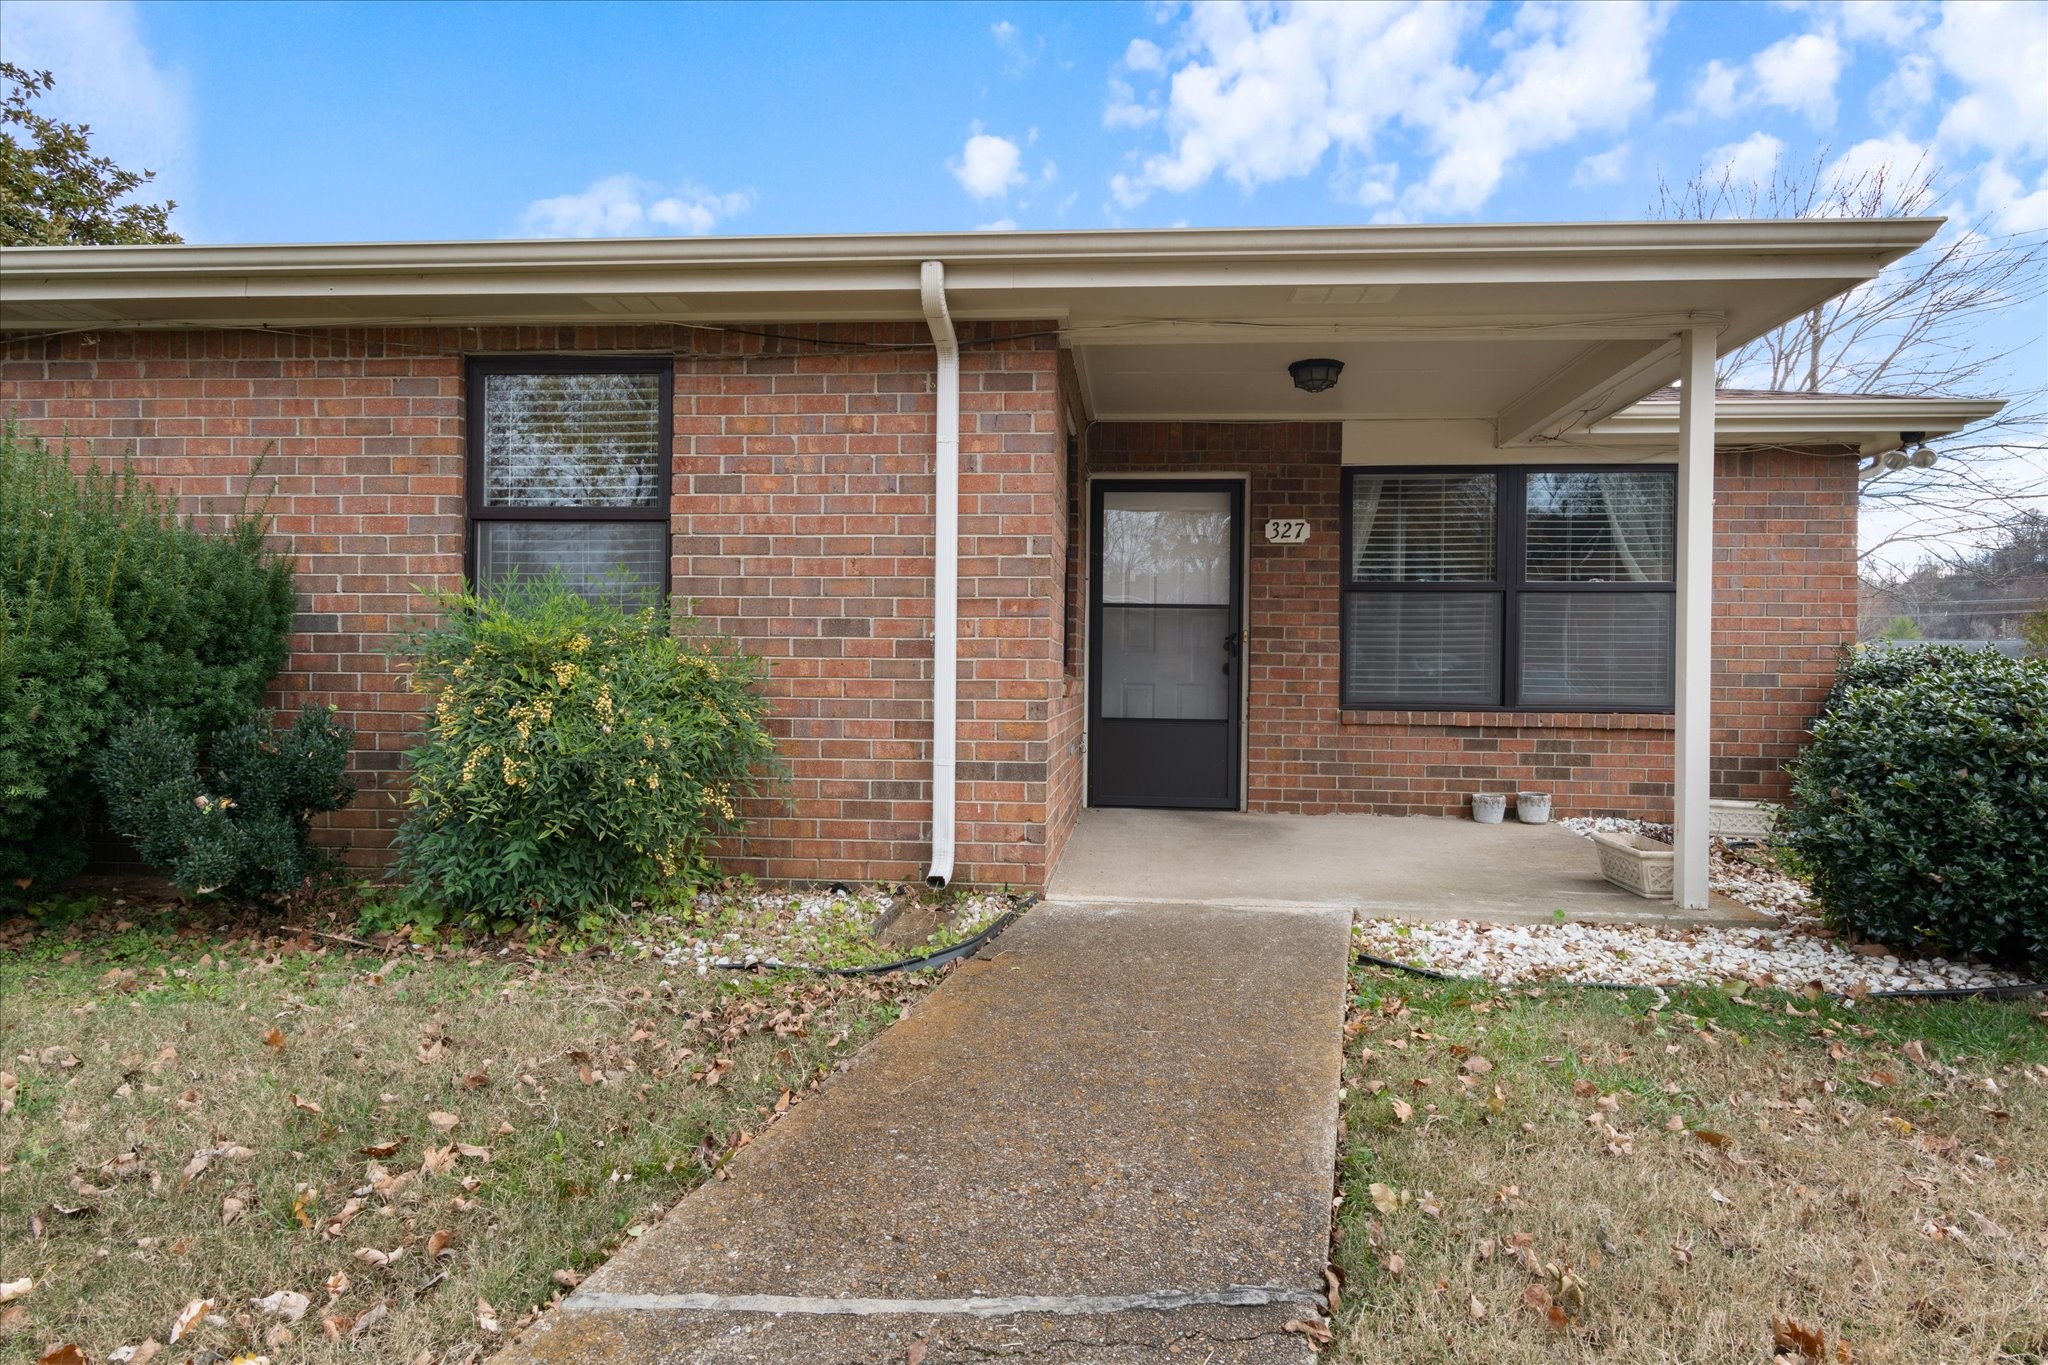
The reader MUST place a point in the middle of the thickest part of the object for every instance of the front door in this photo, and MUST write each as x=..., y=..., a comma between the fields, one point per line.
x=1165, y=621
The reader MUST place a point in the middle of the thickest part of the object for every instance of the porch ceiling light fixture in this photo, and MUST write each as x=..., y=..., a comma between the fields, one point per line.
x=1315, y=376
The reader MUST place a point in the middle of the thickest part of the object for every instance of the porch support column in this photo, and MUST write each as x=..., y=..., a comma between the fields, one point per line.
x=1693, y=732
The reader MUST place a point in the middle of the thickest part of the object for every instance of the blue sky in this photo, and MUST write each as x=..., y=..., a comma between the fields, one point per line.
x=312, y=122
x=338, y=122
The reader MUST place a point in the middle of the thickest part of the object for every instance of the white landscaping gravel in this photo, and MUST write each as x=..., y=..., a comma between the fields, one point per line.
x=1790, y=953
x=791, y=927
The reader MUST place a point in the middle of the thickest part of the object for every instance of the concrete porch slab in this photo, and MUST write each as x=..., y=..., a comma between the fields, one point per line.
x=1112, y=1137
x=1402, y=867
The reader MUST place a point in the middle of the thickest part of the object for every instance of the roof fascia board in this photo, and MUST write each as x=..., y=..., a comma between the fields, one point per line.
x=1790, y=418
x=999, y=263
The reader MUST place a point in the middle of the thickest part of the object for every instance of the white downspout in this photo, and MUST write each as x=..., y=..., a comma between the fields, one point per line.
x=945, y=571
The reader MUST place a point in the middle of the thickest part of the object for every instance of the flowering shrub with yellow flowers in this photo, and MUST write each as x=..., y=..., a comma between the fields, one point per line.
x=578, y=756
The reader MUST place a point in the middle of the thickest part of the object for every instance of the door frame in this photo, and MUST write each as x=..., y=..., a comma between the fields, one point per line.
x=1086, y=587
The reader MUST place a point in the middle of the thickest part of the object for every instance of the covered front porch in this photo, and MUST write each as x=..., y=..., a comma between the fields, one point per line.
x=1413, y=867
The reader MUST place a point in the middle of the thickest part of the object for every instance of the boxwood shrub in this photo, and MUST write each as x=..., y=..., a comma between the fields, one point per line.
x=1920, y=809
x=580, y=755
x=241, y=825
x=114, y=603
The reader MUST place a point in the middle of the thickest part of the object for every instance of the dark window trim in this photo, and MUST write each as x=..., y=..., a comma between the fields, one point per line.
x=1506, y=586
x=475, y=511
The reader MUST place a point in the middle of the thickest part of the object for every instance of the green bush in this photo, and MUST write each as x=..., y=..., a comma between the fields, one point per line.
x=113, y=604
x=1920, y=809
x=579, y=756
x=243, y=825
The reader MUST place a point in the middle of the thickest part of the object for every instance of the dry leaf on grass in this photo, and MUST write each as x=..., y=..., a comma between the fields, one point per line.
x=304, y=1105
x=379, y=1260
x=440, y=1243
x=1790, y=1335
x=190, y=1317
x=382, y=1149
x=486, y=1318
x=443, y=1120
x=1384, y=1197
x=285, y=1303
x=368, y=1321
x=274, y=1039
x=11, y=1290
x=66, y=1354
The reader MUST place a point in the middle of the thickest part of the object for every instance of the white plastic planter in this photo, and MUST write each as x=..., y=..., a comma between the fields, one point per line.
x=1489, y=808
x=1635, y=863
x=1740, y=819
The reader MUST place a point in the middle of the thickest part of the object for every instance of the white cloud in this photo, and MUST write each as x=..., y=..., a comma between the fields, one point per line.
x=1023, y=56
x=627, y=206
x=1752, y=161
x=1898, y=161
x=1715, y=92
x=1602, y=168
x=2007, y=205
x=988, y=165
x=138, y=107
x=1269, y=91
x=1124, y=110
x=1144, y=55
x=1799, y=73
x=1999, y=54
x=999, y=225
x=1889, y=21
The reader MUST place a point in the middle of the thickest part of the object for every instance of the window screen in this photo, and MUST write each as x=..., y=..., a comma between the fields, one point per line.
x=1503, y=588
x=569, y=474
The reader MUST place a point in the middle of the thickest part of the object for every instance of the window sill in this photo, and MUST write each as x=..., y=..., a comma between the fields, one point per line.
x=1512, y=720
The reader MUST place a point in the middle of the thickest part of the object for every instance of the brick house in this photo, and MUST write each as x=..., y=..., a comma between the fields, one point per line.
x=1158, y=561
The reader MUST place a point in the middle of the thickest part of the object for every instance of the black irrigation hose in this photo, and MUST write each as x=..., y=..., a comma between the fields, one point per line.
x=965, y=948
x=2012, y=992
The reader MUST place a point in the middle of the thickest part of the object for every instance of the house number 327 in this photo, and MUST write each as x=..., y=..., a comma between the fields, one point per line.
x=1288, y=531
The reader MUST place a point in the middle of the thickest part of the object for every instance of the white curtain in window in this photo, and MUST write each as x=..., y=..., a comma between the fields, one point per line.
x=1639, y=517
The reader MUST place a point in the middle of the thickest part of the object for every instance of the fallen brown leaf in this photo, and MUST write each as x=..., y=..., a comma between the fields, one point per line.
x=1311, y=1328
x=189, y=1318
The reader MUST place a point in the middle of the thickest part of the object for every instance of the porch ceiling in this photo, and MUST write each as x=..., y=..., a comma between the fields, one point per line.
x=1538, y=328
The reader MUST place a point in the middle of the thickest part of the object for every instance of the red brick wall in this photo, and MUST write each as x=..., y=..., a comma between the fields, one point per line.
x=1785, y=583
x=803, y=518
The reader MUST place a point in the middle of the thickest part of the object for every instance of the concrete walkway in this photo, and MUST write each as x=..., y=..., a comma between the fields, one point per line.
x=1111, y=1138
x=1416, y=867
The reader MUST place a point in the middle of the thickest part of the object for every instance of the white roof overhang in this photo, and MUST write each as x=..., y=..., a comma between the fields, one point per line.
x=1865, y=424
x=1538, y=328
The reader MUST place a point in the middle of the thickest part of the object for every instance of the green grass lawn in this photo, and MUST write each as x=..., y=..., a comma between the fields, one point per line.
x=425, y=1144
x=1572, y=1175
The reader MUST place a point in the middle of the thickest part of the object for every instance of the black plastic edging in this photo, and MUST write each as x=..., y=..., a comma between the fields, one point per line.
x=965, y=948
x=2012, y=992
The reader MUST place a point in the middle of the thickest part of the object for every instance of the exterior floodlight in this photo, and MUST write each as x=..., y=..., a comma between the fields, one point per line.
x=1895, y=459
x=1924, y=457
x=1315, y=376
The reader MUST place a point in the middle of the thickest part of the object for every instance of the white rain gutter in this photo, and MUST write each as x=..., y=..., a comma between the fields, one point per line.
x=945, y=571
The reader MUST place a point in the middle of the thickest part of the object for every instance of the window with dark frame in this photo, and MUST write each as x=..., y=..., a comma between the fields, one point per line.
x=569, y=471
x=1533, y=589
